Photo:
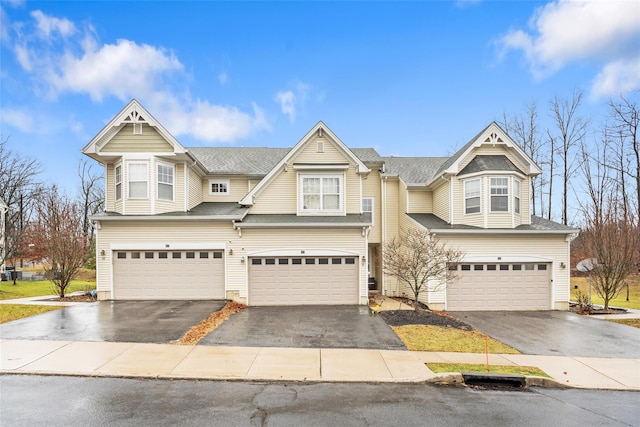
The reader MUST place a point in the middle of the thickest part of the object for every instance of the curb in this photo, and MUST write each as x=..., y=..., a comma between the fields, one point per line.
x=457, y=379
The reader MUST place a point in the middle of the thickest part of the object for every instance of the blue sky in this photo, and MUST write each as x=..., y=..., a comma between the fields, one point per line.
x=407, y=78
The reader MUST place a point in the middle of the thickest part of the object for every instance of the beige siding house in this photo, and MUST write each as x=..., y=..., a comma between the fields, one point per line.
x=308, y=224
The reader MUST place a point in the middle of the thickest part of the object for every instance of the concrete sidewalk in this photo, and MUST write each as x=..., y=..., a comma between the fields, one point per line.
x=170, y=361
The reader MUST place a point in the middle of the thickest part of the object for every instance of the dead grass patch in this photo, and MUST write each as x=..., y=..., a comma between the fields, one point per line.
x=629, y=322
x=437, y=338
x=440, y=368
x=196, y=333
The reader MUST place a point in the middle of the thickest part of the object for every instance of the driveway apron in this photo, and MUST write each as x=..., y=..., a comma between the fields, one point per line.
x=556, y=333
x=115, y=321
x=305, y=327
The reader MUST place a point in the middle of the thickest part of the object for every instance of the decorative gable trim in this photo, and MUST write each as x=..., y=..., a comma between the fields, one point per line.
x=133, y=113
x=494, y=135
x=319, y=129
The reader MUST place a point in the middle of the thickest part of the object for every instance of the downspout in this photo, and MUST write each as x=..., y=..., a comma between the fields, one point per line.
x=383, y=286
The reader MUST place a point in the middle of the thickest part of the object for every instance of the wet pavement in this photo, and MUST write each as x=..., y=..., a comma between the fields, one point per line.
x=305, y=327
x=114, y=321
x=556, y=333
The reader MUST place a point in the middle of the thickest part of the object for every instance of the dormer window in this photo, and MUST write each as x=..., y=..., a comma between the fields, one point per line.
x=219, y=187
x=499, y=194
x=472, y=196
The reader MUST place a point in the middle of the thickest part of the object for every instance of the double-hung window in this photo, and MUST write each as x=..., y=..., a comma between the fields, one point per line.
x=138, y=180
x=499, y=194
x=165, y=182
x=118, y=181
x=321, y=193
x=516, y=196
x=472, y=196
x=367, y=206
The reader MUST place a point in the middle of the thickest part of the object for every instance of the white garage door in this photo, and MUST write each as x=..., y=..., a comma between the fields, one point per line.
x=501, y=287
x=303, y=280
x=168, y=274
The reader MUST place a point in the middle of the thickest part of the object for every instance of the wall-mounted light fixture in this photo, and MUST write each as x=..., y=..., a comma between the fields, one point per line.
x=242, y=259
x=230, y=251
x=563, y=265
x=102, y=253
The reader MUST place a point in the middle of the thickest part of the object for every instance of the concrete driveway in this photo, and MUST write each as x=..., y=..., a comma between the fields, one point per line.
x=556, y=333
x=306, y=327
x=116, y=321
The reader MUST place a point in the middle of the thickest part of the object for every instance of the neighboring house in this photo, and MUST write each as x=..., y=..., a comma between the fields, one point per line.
x=307, y=224
x=3, y=212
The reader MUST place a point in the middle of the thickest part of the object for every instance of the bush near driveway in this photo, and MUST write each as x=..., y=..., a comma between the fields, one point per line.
x=620, y=301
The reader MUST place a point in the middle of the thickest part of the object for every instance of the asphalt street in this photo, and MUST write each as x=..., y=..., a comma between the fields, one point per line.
x=74, y=401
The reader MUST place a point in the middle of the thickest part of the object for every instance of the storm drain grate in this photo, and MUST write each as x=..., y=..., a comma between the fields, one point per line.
x=494, y=381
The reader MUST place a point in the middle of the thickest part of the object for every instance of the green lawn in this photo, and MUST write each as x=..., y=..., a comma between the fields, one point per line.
x=620, y=301
x=629, y=322
x=11, y=312
x=438, y=338
x=34, y=289
x=439, y=368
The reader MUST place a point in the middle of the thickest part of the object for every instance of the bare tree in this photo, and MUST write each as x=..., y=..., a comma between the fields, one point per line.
x=625, y=121
x=19, y=189
x=420, y=261
x=523, y=128
x=91, y=197
x=609, y=235
x=570, y=130
x=60, y=234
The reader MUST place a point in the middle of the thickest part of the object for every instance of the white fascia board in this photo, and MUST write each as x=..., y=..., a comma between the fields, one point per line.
x=170, y=246
x=328, y=166
x=498, y=231
x=216, y=218
x=303, y=225
x=498, y=259
x=490, y=173
x=301, y=253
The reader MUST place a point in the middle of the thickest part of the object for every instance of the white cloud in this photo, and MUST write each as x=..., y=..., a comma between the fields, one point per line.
x=19, y=119
x=293, y=99
x=617, y=78
x=565, y=31
x=47, y=25
x=120, y=69
x=287, y=101
x=75, y=61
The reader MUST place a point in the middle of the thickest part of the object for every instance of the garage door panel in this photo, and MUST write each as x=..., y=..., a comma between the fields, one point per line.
x=507, y=287
x=168, y=275
x=303, y=281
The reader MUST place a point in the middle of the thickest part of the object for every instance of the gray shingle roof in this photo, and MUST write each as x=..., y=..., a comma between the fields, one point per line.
x=206, y=209
x=414, y=170
x=367, y=155
x=489, y=163
x=451, y=160
x=433, y=222
x=239, y=160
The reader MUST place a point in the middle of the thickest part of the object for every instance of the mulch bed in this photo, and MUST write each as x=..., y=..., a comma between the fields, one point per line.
x=75, y=298
x=422, y=317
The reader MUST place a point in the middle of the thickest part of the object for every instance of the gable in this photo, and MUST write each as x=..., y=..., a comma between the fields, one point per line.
x=493, y=140
x=319, y=147
x=127, y=141
x=148, y=132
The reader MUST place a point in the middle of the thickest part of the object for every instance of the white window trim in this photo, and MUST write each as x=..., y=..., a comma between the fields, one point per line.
x=116, y=182
x=146, y=164
x=319, y=212
x=137, y=128
x=479, y=196
x=508, y=195
x=173, y=178
x=517, y=208
x=372, y=206
x=220, y=181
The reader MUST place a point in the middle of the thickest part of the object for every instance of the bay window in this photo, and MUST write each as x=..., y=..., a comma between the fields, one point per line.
x=499, y=194
x=472, y=196
x=165, y=182
x=138, y=181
